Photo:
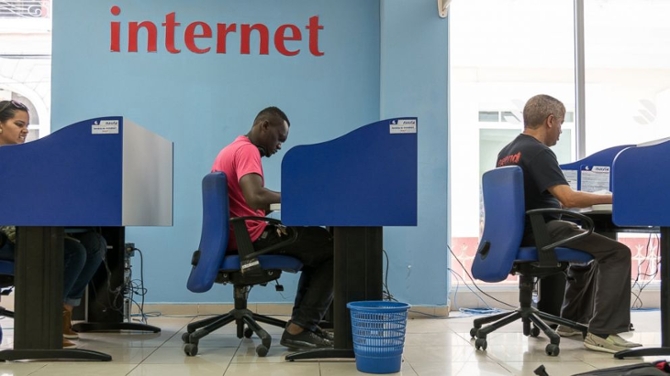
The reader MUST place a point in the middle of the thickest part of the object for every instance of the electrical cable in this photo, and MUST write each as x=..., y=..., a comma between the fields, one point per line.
x=386, y=293
x=473, y=280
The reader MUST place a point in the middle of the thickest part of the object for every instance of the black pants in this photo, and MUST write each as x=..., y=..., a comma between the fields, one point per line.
x=597, y=294
x=314, y=248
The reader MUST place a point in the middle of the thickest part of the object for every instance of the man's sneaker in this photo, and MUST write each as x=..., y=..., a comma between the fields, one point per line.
x=325, y=334
x=612, y=344
x=566, y=331
x=304, y=340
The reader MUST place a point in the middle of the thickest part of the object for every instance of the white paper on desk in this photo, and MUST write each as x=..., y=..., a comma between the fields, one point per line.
x=596, y=178
x=571, y=177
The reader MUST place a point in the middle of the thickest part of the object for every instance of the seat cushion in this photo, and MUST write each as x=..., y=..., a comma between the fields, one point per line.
x=529, y=254
x=285, y=263
x=6, y=267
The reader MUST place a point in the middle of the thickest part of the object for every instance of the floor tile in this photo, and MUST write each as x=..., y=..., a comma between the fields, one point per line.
x=437, y=346
x=484, y=367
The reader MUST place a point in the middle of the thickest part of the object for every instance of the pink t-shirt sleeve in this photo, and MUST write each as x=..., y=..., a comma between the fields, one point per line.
x=248, y=161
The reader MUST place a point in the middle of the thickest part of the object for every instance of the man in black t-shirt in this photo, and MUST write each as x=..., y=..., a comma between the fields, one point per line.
x=601, y=296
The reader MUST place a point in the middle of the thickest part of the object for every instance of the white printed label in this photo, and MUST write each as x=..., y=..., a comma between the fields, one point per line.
x=105, y=127
x=403, y=126
x=596, y=179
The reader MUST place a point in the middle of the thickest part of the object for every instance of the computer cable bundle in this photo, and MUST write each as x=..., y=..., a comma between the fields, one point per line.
x=128, y=290
x=637, y=303
x=136, y=287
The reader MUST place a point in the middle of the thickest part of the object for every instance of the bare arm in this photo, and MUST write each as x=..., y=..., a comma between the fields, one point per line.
x=570, y=198
x=257, y=196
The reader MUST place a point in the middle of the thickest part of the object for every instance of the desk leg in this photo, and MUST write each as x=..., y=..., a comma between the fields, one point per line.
x=358, y=276
x=38, y=320
x=104, y=311
x=665, y=305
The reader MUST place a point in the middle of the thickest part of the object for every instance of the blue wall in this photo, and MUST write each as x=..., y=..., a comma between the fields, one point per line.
x=414, y=81
x=379, y=60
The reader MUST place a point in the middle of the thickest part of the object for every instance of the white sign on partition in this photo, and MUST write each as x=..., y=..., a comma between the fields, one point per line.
x=595, y=179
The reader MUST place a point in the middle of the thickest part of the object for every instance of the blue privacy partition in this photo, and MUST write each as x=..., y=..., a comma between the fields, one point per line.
x=99, y=172
x=354, y=184
x=603, y=157
x=640, y=182
x=106, y=172
x=367, y=177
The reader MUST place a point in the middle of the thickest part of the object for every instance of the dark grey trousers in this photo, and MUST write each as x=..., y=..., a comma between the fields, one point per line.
x=314, y=248
x=597, y=294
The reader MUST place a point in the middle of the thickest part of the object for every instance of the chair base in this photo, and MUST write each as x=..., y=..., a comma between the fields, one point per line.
x=242, y=317
x=6, y=313
x=527, y=315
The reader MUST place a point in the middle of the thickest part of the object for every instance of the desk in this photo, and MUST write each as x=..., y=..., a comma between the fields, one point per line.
x=104, y=172
x=355, y=184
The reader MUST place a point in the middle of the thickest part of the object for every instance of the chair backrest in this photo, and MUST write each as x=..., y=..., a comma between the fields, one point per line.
x=504, y=221
x=215, y=232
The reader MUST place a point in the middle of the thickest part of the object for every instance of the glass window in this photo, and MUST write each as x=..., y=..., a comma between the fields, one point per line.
x=495, y=67
x=25, y=59
x=489, y=116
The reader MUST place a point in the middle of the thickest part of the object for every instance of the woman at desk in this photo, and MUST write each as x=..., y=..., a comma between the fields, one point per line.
x=83, y=249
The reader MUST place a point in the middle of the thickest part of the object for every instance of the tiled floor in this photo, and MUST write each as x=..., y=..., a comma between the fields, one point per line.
x=432, y=347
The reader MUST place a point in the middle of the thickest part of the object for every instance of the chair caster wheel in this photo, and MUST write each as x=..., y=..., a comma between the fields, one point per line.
x=186, y=338
x=552, y=350
x=191, y=349
x=261, y=350
x=535, y=331
x=473, y=332
x=248, y=333
x=480, y=343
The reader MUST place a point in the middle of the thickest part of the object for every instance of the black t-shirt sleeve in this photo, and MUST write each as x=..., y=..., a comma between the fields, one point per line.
x=545, y=170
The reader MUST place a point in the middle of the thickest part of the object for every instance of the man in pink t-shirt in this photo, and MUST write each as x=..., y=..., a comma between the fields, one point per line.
x=241, y=162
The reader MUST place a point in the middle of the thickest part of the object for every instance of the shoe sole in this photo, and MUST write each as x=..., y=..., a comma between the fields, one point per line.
x=570, y=334
x=595, y=347
x=303, y=345
x=71, y=336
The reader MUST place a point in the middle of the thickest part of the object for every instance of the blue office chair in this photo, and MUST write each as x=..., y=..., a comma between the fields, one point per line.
x=6, y=286
x=500, y=254
x=211, y=264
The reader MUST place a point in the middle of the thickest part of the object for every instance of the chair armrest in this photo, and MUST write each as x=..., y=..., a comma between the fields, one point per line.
x=546, y=254
x=245, y=247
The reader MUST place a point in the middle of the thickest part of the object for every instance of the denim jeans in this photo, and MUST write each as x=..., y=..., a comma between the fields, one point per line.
x=83, y=253
x=314, y=248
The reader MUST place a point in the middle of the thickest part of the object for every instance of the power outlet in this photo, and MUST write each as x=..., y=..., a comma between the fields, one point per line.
x=130, y=249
